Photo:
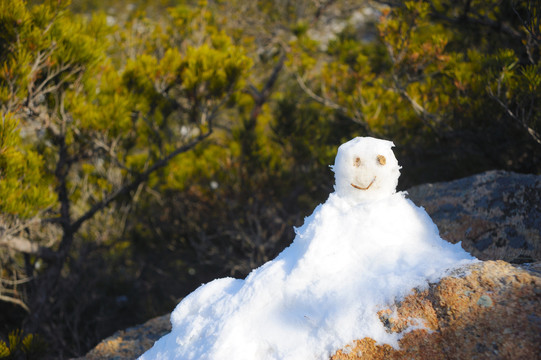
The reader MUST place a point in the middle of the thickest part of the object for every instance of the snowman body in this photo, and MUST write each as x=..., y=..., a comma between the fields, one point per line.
x=365, y=247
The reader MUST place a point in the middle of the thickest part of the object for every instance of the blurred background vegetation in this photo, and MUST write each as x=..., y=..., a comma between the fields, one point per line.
x=149, y=146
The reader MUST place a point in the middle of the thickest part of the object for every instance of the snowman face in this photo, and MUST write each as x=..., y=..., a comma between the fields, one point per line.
x=366, y=169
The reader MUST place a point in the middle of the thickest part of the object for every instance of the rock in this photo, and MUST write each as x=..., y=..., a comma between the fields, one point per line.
x=489, y=310
x=496, y=214
x=130, y=343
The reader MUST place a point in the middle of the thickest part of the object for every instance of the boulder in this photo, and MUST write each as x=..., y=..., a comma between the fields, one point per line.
x=496, y=214
x=132, y=342
x=489, y=310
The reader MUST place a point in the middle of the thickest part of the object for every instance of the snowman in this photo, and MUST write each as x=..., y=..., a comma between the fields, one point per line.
x=364, y=248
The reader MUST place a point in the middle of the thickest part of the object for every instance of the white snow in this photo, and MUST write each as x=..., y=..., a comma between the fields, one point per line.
x=364, y=248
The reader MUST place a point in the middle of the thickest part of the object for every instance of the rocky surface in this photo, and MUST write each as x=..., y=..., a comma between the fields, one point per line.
x=489, y=311
x=130, y=343
x=496, y=214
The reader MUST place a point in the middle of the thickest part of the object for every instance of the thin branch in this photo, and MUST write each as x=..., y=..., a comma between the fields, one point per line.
x=425, y=116
x=520, y=120
x=265, y=92
x=531, y=25
x=261, y=97
x=50, y=75
x=331, y=104
x=15, y=282
x=316, y=97
x=15, y=301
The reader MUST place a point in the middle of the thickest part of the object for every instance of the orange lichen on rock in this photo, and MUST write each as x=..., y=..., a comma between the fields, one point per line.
x=491, y=310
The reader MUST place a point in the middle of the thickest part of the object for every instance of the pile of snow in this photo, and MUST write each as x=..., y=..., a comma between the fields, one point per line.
x=364, y=248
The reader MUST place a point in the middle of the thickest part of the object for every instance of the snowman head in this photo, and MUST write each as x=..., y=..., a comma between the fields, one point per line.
x=365, y=169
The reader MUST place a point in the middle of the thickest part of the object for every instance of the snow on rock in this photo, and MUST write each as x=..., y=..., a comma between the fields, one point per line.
x=364, y=248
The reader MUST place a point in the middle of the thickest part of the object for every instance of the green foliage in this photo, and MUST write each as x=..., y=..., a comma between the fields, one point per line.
x=212, y=70
x=104, y=106
x=29, y=346
x=45, y=48
x=104, y=121
x=23, y=189
x=427, y=82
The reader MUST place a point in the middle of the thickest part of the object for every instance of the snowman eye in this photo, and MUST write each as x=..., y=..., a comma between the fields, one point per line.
x=357, y=161
x=381, y=159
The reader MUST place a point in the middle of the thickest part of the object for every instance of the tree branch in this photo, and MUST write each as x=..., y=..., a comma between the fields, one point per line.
x=15, y=301
x=140, y=178
x=520, y=120
x=331, y=104
x=261, y=97
x=323, y=101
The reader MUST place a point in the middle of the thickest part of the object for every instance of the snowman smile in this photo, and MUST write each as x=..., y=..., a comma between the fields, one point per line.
x=364, y=188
